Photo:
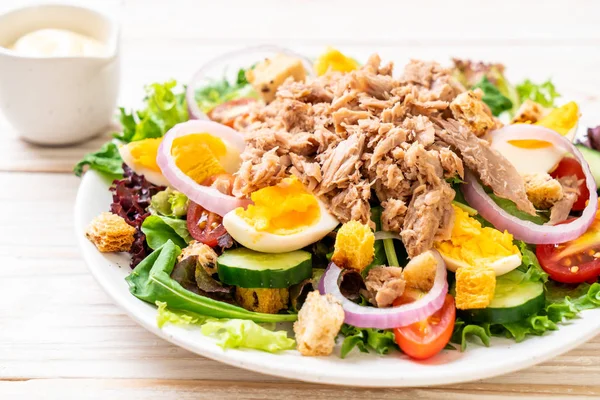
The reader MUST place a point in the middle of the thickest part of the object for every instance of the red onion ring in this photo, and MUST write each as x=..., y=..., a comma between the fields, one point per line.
x=208, y=197
x=388, y=318
x=526, y=230
x=190, y=95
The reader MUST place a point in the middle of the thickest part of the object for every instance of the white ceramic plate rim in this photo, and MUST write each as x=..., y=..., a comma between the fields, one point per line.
x=358, y=369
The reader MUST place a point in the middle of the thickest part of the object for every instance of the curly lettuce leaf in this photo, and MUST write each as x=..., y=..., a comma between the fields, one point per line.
x=563, y=302
x=544, y=93
x=159, y=230
x=496, y=101
x=248, y=334
x=229, y=333
x=165, y=107
x=107, y=160
x=530, y=264
x=221, y=91
x=379, y=340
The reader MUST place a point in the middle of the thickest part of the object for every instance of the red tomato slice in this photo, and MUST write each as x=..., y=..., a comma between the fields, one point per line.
x=575, y=261
x=567, y=167
x=424, y=339
x=205, y=226
x=227, y=112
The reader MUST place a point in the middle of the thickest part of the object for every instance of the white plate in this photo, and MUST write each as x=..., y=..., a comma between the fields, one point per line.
x=358, y=369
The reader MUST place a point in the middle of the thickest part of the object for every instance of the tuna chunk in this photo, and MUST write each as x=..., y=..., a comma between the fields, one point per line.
x=493, y=169
x=384, y=285
x=428, y=207
x=561, y=209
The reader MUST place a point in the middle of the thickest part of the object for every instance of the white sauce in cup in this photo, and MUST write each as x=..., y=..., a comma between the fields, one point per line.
x=58, y=43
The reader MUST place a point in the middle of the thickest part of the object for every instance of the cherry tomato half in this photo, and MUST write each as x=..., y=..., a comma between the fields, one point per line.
x=567, y=167
x=205, y=226
x=227, y=112
x=575, y=261
x=426, y=338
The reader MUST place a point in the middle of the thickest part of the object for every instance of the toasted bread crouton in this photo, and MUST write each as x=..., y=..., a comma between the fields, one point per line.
x=475, y=285
x=354, y=246
x=470, y=110
x=319, y=322
x=529, y=112
x=110, y=233
x=269, y=74
x=542, y=190
x=207, y=258
x=269, y=301
x=420, y=271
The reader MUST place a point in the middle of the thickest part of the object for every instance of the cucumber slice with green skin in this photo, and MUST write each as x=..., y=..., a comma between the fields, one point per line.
x=250, y=269
x=513, y=301
x=593, y=159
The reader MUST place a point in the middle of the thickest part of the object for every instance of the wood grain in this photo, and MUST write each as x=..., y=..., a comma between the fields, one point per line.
x=61, y=336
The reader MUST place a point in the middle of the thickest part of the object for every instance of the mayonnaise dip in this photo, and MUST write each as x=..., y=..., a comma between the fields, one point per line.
x=58, y=43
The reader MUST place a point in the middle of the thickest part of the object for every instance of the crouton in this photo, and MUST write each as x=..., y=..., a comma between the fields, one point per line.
x=207, y=258
x=542, y=190
x=110, y=233
x=269, y=301
x=319, y=322
x=470, y=110
x=529, y=112
x=420, y=271
x=268, y=75
x=475, y=285
x=354, y=246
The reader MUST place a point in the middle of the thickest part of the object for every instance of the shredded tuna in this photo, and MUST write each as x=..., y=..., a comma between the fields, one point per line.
x=561, y=209
x=348, y=135
x=384, y=285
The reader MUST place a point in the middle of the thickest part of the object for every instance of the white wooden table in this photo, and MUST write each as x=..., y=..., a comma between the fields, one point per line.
x=60, y=335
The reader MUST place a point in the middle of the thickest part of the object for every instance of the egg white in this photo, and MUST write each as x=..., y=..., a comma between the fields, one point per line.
x=500, y=267
x=529, y=161
x=154, y=177
x=266, y=242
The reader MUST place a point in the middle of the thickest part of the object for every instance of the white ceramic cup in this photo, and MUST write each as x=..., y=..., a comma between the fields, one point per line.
x=58, y=100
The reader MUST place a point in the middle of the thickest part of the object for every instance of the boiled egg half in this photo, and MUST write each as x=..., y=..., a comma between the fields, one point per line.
x=472, y=244
x=283, y=218
x=198, y=155
x=537, y=156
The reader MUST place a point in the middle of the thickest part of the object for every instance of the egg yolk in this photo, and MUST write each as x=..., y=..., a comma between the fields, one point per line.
x=473, y=244
x=197, y=155
x=334, y=60
x=144, y=153
x=561, y=119
x=283, y=209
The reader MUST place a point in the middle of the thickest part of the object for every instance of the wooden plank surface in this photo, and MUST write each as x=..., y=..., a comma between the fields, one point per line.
x=62, y=337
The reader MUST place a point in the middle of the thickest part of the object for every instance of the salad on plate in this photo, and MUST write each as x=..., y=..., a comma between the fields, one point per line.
x=295, y=204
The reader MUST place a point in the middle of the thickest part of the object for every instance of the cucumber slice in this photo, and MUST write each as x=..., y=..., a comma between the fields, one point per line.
x=593, y=159
x=513, y=300
x=250, y=269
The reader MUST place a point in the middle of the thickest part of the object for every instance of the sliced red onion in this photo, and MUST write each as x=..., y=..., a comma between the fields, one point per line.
x=208, y=197
x=387, y=318
x=225, y=60
x=526, y=230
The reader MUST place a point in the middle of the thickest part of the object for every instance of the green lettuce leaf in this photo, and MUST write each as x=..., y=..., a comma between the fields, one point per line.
x=236, y=333
x=164, y=108
x=170, y=203
x=563, y=302
x=496, y=101
x=229, y=333
x=544, y=93
x=151, y=281
x=530, y=264
x=511, y=208
x=221, y=91
x=107, y=160
x=159, y=230
x=380, y=255
x=379, y=340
